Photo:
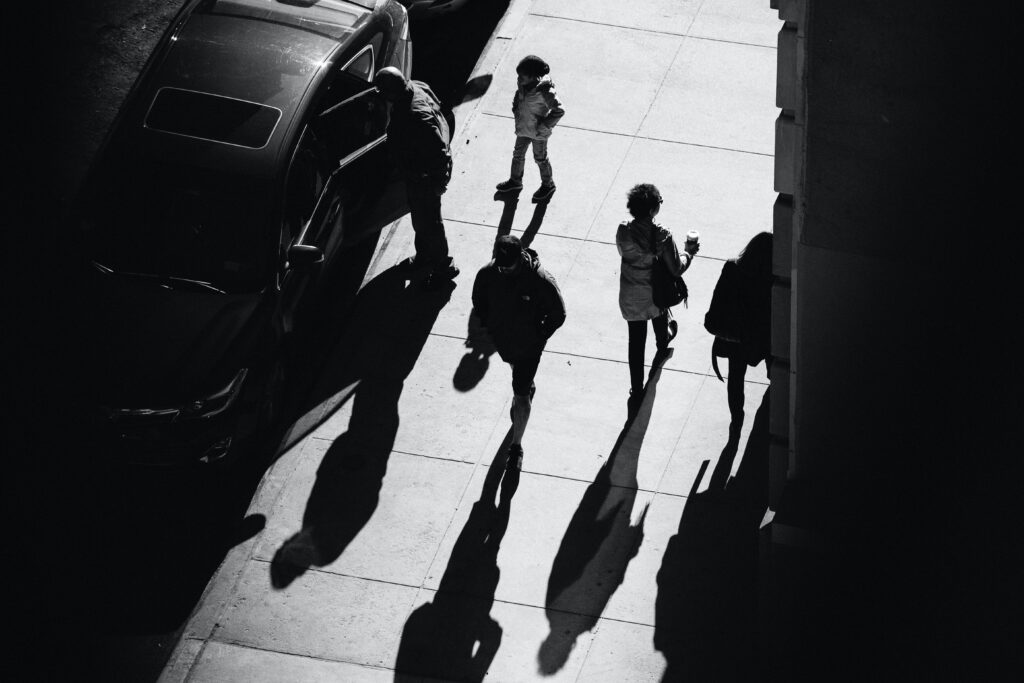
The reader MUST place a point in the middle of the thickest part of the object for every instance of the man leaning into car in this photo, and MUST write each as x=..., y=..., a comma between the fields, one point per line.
x=418, y=136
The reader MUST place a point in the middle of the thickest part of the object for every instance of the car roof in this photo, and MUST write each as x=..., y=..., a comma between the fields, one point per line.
x=245, y=59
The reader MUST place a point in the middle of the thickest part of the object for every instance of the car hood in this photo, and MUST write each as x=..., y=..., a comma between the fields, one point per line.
x=149, y=346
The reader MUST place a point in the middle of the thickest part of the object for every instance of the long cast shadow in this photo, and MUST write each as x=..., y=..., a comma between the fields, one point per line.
x=479, y=349
x=599, y=543
x=706, y=609
x=454, y=637
x=390, y=325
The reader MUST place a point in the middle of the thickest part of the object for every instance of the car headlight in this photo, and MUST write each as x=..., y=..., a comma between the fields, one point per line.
x=217, y=402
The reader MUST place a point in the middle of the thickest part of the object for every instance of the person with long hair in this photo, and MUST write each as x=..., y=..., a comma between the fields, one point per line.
x=641, y=242
x=752, y=271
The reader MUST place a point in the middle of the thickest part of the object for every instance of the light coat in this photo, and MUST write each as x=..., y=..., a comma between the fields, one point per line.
x=536, y=110
x=633, y=240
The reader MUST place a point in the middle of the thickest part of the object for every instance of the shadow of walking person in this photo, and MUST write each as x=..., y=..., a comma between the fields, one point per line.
x=508, y=211
x=599, y=543
x=475, y=362
x=706, y=609
x=535, y=222
x=454, y=637
x=395, y=322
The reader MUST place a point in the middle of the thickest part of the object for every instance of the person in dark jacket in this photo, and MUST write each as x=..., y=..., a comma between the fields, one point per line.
x=419, y=138
x=520, y=306
x=536, y=110
x=752, y=270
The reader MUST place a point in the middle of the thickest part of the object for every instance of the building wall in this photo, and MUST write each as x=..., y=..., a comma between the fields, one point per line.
x=891, y=397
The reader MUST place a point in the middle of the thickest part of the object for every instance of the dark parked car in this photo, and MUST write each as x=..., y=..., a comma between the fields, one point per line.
x=216, y=207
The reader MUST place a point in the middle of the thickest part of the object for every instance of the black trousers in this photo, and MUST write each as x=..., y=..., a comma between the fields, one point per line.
x=638, y=344
x=425, y=211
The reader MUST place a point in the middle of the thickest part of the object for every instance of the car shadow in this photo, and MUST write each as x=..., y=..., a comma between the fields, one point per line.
x=599, y=542
x=706, y=610
x=453, y=637
x=387, y=332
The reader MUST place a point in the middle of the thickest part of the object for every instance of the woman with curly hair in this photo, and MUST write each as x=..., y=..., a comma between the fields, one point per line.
x=641, y=242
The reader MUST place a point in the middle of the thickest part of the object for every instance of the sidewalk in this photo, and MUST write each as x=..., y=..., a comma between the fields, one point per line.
x=611, y=546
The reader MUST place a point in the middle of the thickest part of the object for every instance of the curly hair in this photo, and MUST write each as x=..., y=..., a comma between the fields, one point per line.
x=642, y=200
x=533, y=66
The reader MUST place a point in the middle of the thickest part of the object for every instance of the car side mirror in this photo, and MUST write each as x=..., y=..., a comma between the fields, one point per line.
x=304, y=256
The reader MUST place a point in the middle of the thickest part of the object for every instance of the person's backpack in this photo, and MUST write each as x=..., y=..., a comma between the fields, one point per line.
x=724, y=318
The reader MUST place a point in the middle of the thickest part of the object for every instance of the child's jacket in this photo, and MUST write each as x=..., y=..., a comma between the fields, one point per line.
x=536, y=110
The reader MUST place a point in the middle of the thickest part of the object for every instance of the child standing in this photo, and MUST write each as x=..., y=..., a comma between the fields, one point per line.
x=536, y=110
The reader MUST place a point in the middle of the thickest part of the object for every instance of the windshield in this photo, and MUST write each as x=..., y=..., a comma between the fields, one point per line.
x=180, y=222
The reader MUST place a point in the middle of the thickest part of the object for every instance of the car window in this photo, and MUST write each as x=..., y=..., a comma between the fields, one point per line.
x=305, y=181
x=361, y=66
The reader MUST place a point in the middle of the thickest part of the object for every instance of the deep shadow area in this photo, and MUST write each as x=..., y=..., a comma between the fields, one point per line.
x=599, y=542
x=453, y=637
x=445, y=49
x=389, y=326
x=706, y=609
x=105, y=562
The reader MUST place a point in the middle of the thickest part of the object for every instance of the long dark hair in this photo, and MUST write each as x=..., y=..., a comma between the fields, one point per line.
x=756, y=257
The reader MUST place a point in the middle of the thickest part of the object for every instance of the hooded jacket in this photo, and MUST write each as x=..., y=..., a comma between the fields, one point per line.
x=633, y=240
x=536, y=109
x=418, y=135
x=520, y=310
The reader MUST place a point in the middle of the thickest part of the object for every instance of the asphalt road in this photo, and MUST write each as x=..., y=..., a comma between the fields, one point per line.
x=104, y=563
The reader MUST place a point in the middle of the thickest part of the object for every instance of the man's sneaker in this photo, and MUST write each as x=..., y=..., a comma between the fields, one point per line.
x=509, y=185
x=440, y=277
x=544, y=193
x=515, y=457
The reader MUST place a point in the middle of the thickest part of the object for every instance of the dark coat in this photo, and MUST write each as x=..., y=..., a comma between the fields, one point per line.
x=418, y=136
x=520, y=310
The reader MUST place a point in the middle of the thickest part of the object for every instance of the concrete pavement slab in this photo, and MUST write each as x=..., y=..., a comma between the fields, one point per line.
x=717, y=94
x=725, y=195
x=739, y=21
x=225, y=663
x=705, y=434
x=420, y=410
x=394, y=540
x=636, y=599
x=661, y=16
x=623, y=651
x=579, y=421
x=452, y=637
x=584, y=164
x=606, y=77
x=321, y=615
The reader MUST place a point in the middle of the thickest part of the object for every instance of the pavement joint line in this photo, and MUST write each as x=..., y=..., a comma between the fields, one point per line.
x=646, y=137
x=641, y=29
x=249, y=646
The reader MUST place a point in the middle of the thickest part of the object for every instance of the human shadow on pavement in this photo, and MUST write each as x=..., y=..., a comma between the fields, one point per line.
x=390, y=326
x=706, y=608
x=453, y=637
x=510, y=201
x=479, y=349
x=599, y=543
x=535, y=222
